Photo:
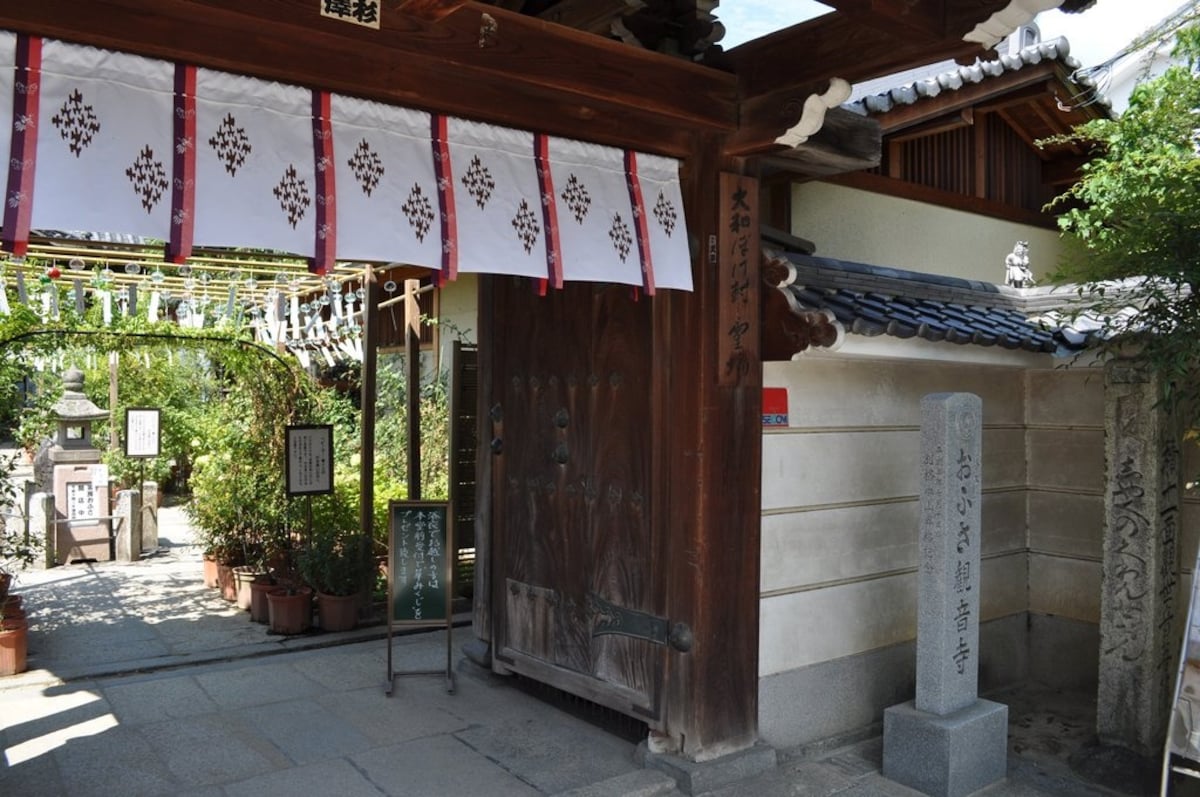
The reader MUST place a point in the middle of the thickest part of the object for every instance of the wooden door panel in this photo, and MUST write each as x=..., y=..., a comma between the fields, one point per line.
x=573, y=378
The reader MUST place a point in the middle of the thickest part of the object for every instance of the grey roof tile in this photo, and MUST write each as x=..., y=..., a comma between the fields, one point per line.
x=950, y=77
x=907, y=304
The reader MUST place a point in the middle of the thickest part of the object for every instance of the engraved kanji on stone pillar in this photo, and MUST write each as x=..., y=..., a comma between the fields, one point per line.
x=1138, y=643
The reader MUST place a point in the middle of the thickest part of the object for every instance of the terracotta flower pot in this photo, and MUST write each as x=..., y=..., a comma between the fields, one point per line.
x=225, y=582
x=13, y=647
x=337, y=612
x=210, y=571
x=260, y=611
x=243, y=577
x=290, y=614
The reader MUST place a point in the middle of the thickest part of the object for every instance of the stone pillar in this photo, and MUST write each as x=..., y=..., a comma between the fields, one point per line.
x=128, y=519
x=149, y=516
x=40, y=524
x=947, y=741
x=1138, y=640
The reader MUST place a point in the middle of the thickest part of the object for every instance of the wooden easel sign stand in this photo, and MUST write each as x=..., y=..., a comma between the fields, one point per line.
x=420, y=576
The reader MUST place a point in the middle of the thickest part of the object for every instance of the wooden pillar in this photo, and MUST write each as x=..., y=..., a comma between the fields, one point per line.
x=709, y=421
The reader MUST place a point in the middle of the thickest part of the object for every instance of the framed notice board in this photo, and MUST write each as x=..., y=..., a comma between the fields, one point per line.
x=420, y=574
x=309, y=459
x=141, y=432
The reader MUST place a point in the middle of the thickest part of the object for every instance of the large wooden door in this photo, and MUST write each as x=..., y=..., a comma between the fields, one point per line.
x=576, y=593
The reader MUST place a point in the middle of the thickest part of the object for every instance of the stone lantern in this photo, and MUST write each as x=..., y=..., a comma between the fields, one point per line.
x=74, y=413
x=80, y=482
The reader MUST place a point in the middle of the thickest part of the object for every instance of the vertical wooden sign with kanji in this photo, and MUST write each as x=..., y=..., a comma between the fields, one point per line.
x=737, y=256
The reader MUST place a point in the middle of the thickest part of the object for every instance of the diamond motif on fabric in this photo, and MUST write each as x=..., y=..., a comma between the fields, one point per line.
x=479, y=183
x=149, y=178
x=527, y=227
x=419, y=211
x=664, y=211
x=292, y=194
x=578, y=200
x=367, y=167
x=620, y=236
x=231, y=143
x=76, y=122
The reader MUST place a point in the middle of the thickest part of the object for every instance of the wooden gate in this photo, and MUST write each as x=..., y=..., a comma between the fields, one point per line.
x=576, y=592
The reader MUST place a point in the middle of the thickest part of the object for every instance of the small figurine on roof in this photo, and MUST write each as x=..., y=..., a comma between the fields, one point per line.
x=1016, y=267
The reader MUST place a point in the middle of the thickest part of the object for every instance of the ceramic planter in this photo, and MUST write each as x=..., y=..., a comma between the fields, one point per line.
x=290, y=613
x=337, y=612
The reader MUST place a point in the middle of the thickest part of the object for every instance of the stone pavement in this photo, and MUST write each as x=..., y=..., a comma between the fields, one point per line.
x=144, y=682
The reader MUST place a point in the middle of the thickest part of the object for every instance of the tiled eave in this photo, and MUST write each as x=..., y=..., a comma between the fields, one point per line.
x=861, y=299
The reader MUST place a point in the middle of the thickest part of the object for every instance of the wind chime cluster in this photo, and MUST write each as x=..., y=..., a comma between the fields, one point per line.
x=319, y=321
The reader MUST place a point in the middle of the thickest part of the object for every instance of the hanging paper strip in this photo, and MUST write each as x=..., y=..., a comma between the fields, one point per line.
x=497, y=199
x=387, y=204
x=255, y=181
x=105, y=153
x=325, y=244
x=183, y=184
x=22, y=125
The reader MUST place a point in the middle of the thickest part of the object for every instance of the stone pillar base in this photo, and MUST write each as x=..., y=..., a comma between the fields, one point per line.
x=946, y=756
x=701, y=777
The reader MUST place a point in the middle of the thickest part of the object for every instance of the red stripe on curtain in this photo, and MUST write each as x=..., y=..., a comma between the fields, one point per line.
x=445, y=183
x=183, y=187
x=639, y=220
x=326, y=225
x=18, y=207
x=554, y=264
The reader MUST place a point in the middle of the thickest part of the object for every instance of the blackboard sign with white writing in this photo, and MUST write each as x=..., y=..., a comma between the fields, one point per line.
x=420, y=548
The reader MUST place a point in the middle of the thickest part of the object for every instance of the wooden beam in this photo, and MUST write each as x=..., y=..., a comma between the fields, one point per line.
x=846, y=142
x=429, y=10
x=965, y=117
x=1011, y=88
x=594, y=16
x=922, y=17
x=536, y=75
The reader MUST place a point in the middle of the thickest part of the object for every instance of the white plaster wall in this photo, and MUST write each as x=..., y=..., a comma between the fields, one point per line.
x=1065, y=435
x=867, y=227
x=458, y=309
x=840, y=503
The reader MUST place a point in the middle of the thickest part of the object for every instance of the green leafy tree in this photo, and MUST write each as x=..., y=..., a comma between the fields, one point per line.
x=1133, y=225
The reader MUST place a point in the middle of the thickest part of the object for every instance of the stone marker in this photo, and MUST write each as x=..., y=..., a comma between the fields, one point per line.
x=948, y=742
x=1139, y=641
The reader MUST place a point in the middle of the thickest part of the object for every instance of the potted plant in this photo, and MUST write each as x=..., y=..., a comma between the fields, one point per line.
x=336, y=564
x=336, y=560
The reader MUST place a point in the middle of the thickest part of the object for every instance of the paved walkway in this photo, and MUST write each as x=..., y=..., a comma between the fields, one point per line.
x=144, y=682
